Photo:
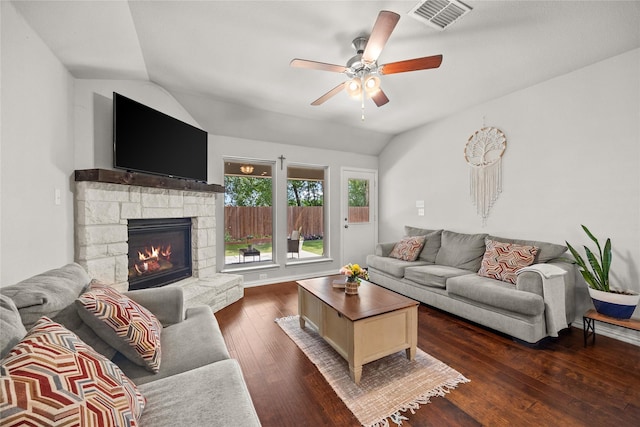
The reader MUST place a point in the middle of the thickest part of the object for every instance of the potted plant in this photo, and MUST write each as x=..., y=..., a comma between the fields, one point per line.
x=354, y=274
x=607, y=300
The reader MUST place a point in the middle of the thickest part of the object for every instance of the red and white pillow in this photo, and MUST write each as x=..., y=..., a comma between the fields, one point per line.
x=51, y=377
x=408, y=248
x=502, y=260
x=123, y=323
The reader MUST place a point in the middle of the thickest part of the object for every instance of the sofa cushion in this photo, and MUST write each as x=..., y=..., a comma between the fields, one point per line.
x=416, y=231
x=11, y=328
x=495, y=293
x=392, y=266
x=434, y=276
x=408, y=248
x=502, y=260
x=48, y=293
x=546, y=251
x=126, y=325
x=215, y=394
x=194, y=342
x=431, y=245
x=52, y=378
x=461, y=250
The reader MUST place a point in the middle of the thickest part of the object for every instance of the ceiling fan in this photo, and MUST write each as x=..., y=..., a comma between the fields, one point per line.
x=363, y=69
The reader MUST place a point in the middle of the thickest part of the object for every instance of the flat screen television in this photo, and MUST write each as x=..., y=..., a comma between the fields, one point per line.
x=146, y=140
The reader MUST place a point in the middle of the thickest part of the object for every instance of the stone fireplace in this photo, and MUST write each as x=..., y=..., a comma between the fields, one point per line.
x=106, y=201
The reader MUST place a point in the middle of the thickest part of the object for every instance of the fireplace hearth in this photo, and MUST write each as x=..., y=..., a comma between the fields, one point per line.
x=159, y=251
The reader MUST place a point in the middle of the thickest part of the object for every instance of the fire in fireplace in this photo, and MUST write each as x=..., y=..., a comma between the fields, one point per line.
x=159, y=251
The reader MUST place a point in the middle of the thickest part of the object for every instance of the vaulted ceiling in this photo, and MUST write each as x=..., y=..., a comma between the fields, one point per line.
x=227, y=62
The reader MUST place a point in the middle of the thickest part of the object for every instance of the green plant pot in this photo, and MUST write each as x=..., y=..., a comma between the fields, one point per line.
x=619, y=306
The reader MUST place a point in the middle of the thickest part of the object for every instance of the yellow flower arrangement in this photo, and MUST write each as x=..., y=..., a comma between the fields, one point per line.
x=354, y=273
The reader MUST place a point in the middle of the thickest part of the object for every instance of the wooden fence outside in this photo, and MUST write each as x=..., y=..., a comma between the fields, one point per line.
x=243, y=221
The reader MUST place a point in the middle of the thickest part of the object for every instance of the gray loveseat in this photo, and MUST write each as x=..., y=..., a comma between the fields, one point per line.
x=445, y=276
x=198, y=384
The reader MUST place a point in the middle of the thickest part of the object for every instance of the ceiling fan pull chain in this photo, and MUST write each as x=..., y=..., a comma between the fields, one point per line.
x=362, y=96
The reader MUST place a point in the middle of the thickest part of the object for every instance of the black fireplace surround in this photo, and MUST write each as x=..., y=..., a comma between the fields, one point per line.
x=159, y=251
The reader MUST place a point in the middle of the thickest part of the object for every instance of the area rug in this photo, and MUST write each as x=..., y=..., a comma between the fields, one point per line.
x=388, y=387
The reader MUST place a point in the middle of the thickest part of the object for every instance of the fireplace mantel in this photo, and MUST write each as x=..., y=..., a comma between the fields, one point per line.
x=144, y=180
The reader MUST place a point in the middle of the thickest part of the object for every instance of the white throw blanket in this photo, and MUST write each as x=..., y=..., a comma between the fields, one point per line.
x=553, y=293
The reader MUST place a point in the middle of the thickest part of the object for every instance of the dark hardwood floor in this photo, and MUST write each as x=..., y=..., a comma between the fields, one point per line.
x=561, y=383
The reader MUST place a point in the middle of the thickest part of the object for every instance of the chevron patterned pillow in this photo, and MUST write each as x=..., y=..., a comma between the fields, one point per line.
x=123, y=323
x=408, y=248
x=52, y=378
x=502, y=260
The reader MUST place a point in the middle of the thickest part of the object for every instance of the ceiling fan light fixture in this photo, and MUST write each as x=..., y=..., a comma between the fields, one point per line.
x=246, y=169
x=372, y=84
x=354, y=87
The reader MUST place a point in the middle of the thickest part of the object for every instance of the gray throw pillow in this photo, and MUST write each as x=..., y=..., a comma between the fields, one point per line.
x=460, y=250
x=11, y=328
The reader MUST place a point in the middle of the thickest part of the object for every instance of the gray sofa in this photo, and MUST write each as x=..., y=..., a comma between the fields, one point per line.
x=198, y=384
x=445, y=276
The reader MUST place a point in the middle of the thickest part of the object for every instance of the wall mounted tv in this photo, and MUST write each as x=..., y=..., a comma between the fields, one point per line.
x=146, y=140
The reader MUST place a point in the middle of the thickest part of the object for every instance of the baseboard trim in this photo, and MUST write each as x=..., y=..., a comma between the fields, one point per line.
x=291, y=278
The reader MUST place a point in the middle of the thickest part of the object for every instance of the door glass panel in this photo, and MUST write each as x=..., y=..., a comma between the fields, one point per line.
x=358, y=197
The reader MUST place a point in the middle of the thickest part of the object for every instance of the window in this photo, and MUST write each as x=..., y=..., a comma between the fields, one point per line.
x=305, y=211
x=248, y=212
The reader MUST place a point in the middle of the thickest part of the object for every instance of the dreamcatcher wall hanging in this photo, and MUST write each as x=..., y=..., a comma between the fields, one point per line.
x=484, y=152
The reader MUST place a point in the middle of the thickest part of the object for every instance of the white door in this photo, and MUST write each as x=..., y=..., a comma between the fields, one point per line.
x=359, y=215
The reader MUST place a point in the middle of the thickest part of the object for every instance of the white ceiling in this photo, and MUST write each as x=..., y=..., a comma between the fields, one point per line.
x=227, y=62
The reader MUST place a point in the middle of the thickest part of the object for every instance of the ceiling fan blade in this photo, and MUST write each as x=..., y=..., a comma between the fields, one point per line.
x=411, y=65
x=315, y=65
x=329, y=94
x=380, y=33
x=380, y=98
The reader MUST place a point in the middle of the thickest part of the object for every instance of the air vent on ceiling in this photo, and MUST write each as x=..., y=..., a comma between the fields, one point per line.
x=439, y=13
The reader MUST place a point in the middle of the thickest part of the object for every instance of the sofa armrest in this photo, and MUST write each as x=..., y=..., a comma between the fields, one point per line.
x=384, y=249
x=166, y=303
x=530, y=281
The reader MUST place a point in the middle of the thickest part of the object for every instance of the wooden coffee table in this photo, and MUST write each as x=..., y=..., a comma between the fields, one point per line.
x=361, y=328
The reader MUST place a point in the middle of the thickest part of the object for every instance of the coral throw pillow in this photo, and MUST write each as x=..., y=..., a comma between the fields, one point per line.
x=502, y=260
x=52, y=378
x=123, y=323
x=408, y=248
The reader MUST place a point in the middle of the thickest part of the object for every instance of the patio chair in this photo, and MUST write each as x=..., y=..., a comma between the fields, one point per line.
x=294, y=243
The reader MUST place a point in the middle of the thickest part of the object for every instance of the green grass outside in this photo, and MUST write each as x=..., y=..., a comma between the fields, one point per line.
x=313, y=246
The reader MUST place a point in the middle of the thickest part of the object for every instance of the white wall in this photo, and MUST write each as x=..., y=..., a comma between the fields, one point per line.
x=572, y=157
x=222, y=147
x=94, y=116
x=37, y=153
